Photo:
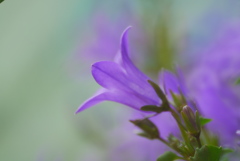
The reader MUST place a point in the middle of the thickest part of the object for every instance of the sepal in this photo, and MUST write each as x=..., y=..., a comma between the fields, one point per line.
x=149, y=129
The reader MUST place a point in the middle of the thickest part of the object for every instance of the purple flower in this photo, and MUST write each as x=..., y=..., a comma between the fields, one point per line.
x=101, y=41
x=211, y=82
x=122, y=82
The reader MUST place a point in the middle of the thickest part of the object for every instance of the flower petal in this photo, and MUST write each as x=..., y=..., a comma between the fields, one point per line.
x=169, y=82
x=115, y=96
x=125, y=61
x=132, y=71
x=97, y=98
x=112, y=76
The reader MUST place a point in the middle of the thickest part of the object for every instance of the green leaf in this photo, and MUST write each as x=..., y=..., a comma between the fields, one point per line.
x=208, y=153
x=168, y=156
x=1, y=1
x=204, y=121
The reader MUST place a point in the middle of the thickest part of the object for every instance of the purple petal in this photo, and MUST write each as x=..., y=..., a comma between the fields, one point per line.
x=181, y=81
x=125, y=61
x=112, y=76
x=97, y=98
x=115, y=96
x=132, y=71
x=169, y=82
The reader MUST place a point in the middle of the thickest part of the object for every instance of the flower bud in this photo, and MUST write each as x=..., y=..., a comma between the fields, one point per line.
x=191, y=121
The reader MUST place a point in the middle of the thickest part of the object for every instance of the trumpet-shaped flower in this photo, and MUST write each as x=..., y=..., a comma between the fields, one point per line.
x=122, y=82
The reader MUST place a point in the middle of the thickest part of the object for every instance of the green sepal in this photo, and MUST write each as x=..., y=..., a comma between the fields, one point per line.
x=168, y=156
x=178, y=101
x=209, y=153
x=152, y=108
x=204, y=121
x=159, y=92
x=145, y=135
x=149, y=129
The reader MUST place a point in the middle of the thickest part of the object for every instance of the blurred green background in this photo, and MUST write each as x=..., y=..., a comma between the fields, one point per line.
x=42, y=82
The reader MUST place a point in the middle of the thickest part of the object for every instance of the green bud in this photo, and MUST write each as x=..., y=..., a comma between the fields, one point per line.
x=149, y=129
x=178, y=100
x=191, y=121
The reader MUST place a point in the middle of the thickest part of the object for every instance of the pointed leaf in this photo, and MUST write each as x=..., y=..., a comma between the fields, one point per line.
x=204, y=121
x=207, y=153
x=168, y=156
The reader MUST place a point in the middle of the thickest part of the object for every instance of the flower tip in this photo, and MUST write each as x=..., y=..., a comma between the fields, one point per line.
x=78, y=110
x=125, y=32
x=128, y=28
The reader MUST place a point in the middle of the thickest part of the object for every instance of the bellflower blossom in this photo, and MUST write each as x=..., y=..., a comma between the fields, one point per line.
x=122, y=82
x=212, y=80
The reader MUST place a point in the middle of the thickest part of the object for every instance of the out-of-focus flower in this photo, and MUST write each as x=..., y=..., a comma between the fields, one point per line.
x=122, y=82
x=101, y=42
x=211, y=82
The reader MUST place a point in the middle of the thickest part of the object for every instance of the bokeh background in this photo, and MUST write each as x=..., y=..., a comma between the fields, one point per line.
x=46, y=51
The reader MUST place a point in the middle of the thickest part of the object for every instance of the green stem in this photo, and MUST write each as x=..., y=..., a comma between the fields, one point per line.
x=199, y=142
x=176, y=149
x=182, y=129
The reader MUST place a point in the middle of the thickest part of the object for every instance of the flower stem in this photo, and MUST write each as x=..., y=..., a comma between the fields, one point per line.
x=182, y=129
x=174, y=148
x=199, y=142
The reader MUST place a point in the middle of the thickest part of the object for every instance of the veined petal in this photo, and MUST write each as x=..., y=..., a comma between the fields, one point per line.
x=109, y=75
x=115, y=96
x=113, y=76
x=125, y=61
x=132, y=71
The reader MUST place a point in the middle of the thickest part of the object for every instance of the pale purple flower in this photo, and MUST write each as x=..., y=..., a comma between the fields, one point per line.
x=211, y=82
x=101, y=41
x=122, y=82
